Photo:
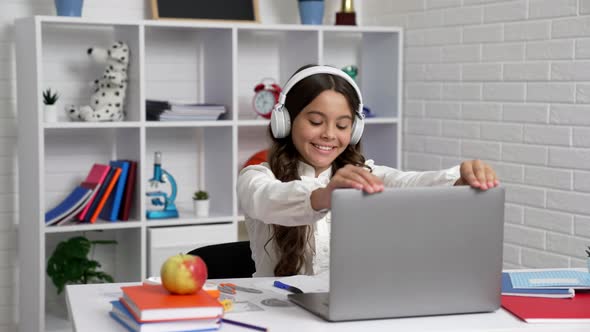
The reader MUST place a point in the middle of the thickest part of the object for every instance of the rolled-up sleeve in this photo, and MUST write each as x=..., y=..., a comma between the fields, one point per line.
x=392, y=177
x=265, y=198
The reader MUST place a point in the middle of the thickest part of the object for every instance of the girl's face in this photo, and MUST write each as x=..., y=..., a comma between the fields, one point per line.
x=321, y=132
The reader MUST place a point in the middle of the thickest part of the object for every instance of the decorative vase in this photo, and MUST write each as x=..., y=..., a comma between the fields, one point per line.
x=201, y=207
x=50, y=113
x=311, y=12
x=69, y=7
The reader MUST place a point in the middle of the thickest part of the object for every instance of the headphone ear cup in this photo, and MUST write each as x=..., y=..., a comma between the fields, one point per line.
x=280, y=122
x=357, y=131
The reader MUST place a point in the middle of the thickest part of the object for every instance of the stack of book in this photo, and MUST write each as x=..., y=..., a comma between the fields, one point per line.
x=106, y=192
x=150, y=308
x=538, y=296
x=159, y=110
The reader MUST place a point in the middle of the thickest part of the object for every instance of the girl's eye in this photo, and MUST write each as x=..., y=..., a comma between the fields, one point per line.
x=342, y=127
x=315, y=123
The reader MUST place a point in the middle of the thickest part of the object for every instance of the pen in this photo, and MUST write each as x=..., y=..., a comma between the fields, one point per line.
x=291, y=289
x=248, y=326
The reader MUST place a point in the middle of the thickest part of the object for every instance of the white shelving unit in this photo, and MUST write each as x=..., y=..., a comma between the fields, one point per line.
x=200, y=61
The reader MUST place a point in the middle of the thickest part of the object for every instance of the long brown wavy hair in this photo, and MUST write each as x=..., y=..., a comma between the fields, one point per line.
x=292, y=242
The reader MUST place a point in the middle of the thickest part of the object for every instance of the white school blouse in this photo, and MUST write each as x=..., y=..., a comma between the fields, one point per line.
x=265, y=200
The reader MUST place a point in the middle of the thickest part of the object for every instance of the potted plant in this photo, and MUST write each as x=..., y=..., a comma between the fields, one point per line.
x=50, y=108
x=588, y=258
x=69, y=264
x=201, y=203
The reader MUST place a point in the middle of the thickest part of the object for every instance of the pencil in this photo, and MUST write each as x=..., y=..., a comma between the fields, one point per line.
x=248, y=326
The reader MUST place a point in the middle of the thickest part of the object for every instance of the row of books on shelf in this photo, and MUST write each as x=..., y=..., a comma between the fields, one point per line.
x=548, y=295
x=106, y=193
x=161, y=110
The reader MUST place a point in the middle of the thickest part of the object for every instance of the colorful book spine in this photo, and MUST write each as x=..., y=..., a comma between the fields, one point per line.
x=127, y=203
x=111, y=209
x=102, y=198
x=97, y=174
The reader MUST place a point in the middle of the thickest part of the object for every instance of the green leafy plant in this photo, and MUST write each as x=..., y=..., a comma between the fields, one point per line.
x=200, y=195
x=50, y=98
x=588, y=251
x=69, y=263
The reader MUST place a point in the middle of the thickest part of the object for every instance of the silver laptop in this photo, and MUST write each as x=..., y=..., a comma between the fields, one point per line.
x=412, y=252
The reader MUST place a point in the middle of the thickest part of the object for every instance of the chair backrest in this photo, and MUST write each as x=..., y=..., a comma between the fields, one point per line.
x=227, y=260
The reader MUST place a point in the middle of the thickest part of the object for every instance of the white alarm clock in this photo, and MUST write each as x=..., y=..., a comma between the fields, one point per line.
x=266, y=95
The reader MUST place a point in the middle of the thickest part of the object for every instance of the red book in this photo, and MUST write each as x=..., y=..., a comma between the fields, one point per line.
x=129, y=190
x=544, y=310
x=96, y=175
x=151, y=303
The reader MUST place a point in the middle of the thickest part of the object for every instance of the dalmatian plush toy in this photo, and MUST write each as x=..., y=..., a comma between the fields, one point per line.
x=108, y=100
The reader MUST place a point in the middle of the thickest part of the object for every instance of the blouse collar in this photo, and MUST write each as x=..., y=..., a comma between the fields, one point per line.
x=307, y=170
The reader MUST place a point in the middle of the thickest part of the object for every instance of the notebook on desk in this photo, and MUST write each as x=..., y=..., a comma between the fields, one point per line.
x=412, y=252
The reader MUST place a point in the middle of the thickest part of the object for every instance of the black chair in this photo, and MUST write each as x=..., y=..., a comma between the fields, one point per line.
x=227, y=260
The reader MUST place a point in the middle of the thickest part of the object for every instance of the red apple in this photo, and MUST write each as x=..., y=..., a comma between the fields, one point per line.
x=183, y=274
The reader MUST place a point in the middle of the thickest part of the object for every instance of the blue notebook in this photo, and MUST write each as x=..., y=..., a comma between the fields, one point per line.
x=551, y=279
x=111, y=209
x=77, y=197
x=507, y=289
x=124, y=317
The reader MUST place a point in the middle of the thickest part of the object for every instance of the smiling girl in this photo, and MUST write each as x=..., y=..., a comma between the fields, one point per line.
x=316, y=129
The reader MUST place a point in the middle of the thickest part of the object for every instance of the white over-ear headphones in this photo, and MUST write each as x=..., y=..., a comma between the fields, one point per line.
x=280, y=121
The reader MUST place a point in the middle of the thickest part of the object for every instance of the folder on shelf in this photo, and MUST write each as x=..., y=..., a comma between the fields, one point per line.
x=544, y=310
x=120, y=313
x=127, y=201
x=97, y=174
x=111, y=209
x=507, y=289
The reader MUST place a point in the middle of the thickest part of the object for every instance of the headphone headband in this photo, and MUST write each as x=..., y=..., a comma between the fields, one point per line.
x=320, y=70
x=280, y=121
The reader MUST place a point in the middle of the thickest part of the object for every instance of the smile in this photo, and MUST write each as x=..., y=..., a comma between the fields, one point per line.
x=323, y=147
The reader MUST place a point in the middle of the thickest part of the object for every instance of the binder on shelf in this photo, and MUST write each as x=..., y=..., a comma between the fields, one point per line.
x=148, y=303
x=97, y=174
x=507, y=289
x=127, y=202
x=120, y=313
x=71, y=203
x=111, y=209
x=545, y=310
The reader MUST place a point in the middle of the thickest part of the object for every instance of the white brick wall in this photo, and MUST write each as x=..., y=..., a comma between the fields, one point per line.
x=507, y=81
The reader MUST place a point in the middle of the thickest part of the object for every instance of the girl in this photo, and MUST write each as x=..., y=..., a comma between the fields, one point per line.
x=286, y=201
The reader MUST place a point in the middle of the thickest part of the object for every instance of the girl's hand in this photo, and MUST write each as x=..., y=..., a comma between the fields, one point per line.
x=348, y=176
x=477, y=174
x=357, y=177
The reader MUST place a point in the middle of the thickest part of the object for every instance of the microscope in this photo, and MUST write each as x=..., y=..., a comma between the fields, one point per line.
x=160, y=205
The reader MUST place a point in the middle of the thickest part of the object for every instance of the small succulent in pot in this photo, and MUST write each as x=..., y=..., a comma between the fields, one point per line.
x=49, y=97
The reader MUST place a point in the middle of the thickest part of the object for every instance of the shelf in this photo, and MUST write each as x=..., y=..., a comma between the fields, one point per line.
x=165, y=124
x=98, y=226
x=191, y=61
x=186, y=221
x=97, y=125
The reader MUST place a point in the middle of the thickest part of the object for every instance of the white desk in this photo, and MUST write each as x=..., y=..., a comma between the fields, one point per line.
x=89, y=306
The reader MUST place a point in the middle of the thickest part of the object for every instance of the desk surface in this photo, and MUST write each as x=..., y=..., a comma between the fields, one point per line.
x=89, y=306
